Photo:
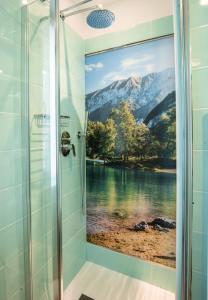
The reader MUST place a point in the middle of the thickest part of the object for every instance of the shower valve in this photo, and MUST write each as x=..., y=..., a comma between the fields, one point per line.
x=66, y=144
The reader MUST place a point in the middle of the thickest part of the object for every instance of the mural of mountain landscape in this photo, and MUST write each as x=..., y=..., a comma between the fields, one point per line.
x=131, y=150
x=150, y=96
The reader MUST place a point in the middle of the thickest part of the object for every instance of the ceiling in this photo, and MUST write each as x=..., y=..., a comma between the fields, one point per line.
x=129, y=13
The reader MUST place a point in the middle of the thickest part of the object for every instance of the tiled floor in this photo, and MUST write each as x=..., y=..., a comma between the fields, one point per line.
x=100, y=283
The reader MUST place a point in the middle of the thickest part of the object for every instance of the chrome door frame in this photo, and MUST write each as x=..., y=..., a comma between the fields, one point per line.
x=184, y=151
x=54, y=145
x=55, y=141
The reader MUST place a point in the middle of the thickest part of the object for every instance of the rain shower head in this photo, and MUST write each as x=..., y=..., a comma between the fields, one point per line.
x=100, y=18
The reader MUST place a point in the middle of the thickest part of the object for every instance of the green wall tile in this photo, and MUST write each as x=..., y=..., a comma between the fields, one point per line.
x=140, y=32
x=12, y=242
x=200, y=130
x=200, y=88
x=163, y=26
x=10, y=95
x=73, y=205
x=71, y=269
x=199, y=252
x=9, y=27
x=14, y=274
x=199, y=282
x=200, y=171
x=10, y=57
x=198, y=13
x=13, y=8
x=10, y=132
x=11, y=205
x=74, y=256
x=70, y=181
x=72, y=224
x=132, y=267
x=163, y=277
x=11, y=164
x=200, y=220
x=199, y=46
x=19, y=295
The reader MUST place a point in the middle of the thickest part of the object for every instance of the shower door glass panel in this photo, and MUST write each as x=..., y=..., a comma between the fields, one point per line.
x=42, y=184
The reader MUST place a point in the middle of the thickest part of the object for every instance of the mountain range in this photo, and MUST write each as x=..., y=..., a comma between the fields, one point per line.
x=149, y=96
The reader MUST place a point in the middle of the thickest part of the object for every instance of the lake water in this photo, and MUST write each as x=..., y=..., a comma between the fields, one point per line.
x=140, y=193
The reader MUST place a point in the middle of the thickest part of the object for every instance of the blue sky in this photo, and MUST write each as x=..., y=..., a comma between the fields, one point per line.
x=138, y=60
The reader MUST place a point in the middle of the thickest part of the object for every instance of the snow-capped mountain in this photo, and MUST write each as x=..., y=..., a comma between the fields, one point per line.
x=144, y=93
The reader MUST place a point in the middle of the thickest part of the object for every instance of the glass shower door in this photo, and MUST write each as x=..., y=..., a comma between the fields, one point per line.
x=42, y=155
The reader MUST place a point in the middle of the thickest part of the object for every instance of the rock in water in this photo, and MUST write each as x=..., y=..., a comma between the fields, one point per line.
x=163, y=222
x=159, y=228
x=142, y=226
x=120, y=213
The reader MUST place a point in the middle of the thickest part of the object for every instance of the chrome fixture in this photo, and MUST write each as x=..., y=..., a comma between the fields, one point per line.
x=66, y=145
x=79, y=11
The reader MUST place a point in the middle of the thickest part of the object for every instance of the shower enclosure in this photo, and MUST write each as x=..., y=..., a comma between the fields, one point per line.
x=53, y=124
x=40, y=116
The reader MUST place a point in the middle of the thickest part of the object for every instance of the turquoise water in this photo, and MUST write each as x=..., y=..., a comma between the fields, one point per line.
x=141, y=194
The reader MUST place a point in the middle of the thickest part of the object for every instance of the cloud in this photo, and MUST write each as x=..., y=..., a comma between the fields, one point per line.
x=130, y=67
x=150, y=68
x=126, y=63
x=113, y=76
x=91, y=67
x=134, y=62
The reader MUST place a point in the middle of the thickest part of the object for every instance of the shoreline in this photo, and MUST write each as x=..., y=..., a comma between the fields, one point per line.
x=117, y=234
x=146, y=246
x=148, y=165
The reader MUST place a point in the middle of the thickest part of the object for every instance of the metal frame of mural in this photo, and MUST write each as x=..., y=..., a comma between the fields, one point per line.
x=131, y=151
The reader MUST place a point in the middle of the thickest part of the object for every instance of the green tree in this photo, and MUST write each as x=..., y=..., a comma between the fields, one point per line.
x=164, y=134
x=142, y=140
x=93, y=138
x=125, y=127
x=100, y=141
x=109, y=139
